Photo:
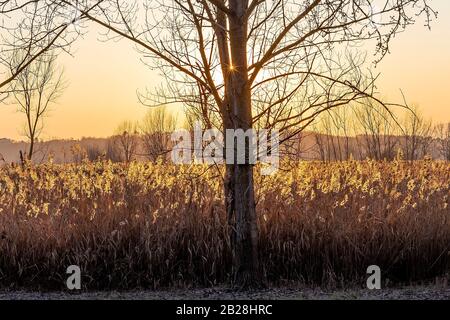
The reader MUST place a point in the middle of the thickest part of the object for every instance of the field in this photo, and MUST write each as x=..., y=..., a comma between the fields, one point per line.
x=147, y=225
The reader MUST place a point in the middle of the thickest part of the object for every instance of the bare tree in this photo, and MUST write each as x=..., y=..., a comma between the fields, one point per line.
x=126, y=139
x=35, y=90
x=94, y=152
x=320, y=141
x=112, y=151
x=156, y=128
x=325, y=139
x=30, y=29
x=278, y=63
x=418, y=134
x=379, y=131
x=78, y=153
x=333, y=132
x=443, y=140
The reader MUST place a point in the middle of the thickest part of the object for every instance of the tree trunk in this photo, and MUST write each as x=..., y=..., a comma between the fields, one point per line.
x=240, y=206
x=246, y=247
x=22, y=159
x=31, y=149
x=239, y=187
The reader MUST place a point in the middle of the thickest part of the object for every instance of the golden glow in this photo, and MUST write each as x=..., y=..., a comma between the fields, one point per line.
x=103, y=79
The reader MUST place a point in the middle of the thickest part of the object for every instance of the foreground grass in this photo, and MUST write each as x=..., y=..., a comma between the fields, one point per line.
x=154, y=225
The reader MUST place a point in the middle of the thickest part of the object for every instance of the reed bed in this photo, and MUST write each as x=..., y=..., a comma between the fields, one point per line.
x=146, y=225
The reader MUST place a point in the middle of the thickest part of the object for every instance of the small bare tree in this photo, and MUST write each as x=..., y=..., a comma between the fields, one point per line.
x=156, y=128
x=126, y=138
x=443, y=140
x=417, y=134
x=35, y=90
x=379, y=131
x=30, y=29
x=333, y=135
x=94, y=152
x=112, y=153
x=78, y=153
x=320, y=143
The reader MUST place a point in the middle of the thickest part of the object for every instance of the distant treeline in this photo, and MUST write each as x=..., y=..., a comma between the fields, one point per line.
x=359, y=133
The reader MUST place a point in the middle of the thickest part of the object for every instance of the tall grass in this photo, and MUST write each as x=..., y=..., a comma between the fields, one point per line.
x=154, y=225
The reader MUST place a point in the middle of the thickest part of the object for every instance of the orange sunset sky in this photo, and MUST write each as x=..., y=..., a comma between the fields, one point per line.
x=103, y=79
